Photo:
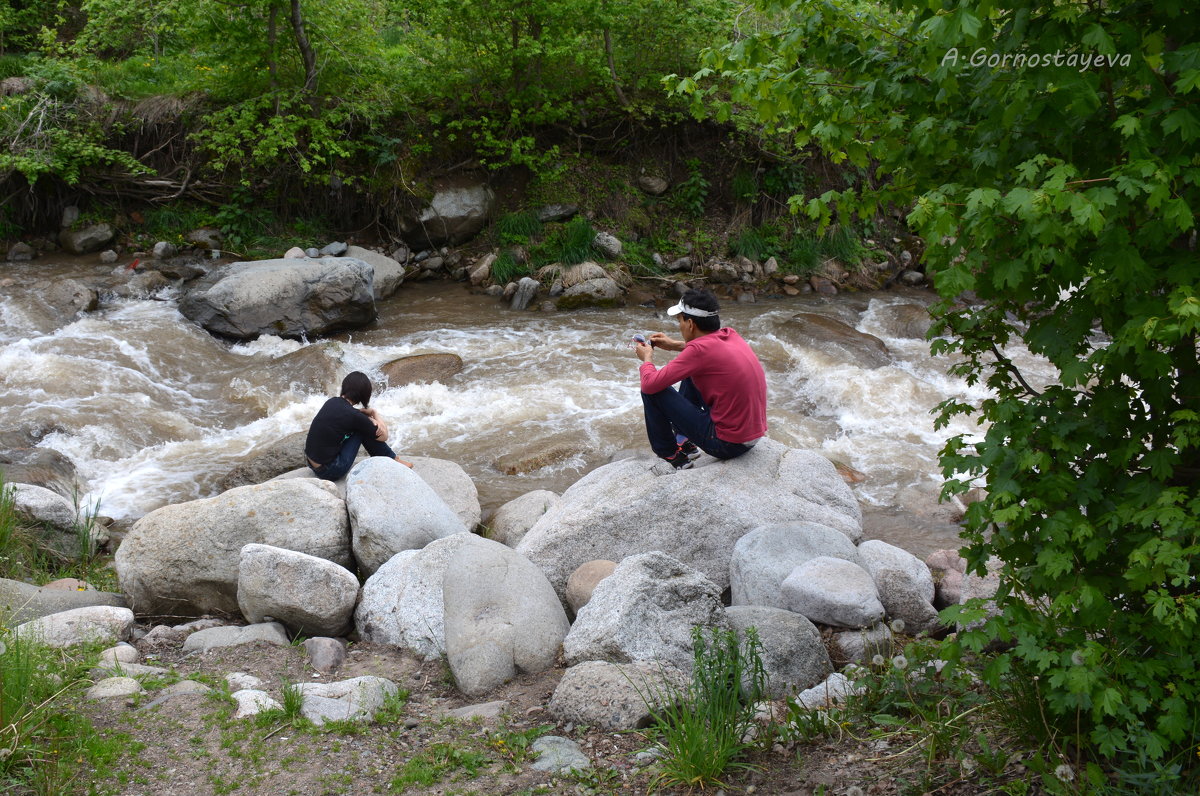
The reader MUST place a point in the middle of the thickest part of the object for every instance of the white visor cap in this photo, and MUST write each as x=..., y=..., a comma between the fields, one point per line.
x=695, y=313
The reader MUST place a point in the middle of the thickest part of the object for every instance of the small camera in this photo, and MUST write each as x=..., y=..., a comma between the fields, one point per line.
x=639, y=338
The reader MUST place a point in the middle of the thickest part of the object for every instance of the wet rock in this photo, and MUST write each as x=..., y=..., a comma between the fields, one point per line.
x=267, y=462
x=513, y=520
x=289, y=298
x=645, y=612
x=69, y=297
x=521, y=462
x=164, y=249
x=947, y=568
x=834, y=338
x=526, y=291
x=680, y=264
x=481, y=270
x=823, y=286
x=912, y=278
x=90, y=239
x=21, y=252
x=911, y=321
x=422, y=368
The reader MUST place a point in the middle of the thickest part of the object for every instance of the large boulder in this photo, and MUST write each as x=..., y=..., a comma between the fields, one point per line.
x=402, y=604
x=21, y=602
x=89, y=239
x=876, y=556
x=455, y=214
x=452, y=484
x=793, y=655
x=22, y=463
x=266, y=462
x=837, y=339
x=421, y=368
x=502, y=617
x=633, y=506
x=600, y=292
x=289, y=298
x=393, y=509
x=308, y=595
x=763, y=558
x=96, y=623
x=389, y=274
x=833, y=591
x=645, y=612
x=513, y=520
x=182, y=560
x=615, y=696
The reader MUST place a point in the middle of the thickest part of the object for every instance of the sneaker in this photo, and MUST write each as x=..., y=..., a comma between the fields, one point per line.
x=689, y=449
x=679, y=460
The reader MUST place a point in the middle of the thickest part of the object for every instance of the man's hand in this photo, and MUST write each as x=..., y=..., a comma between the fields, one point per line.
x=660, y=340
x=643, y=351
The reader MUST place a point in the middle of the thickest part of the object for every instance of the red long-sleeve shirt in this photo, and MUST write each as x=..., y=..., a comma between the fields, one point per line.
x=729, y=377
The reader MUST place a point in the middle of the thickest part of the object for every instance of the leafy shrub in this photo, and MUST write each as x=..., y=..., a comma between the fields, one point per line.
x=691, y=193
x=704, y=729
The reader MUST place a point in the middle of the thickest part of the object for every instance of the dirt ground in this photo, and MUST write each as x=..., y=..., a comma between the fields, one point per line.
x=191, y=746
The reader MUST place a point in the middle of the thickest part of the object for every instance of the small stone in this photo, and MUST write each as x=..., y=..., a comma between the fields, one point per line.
x=108, y=257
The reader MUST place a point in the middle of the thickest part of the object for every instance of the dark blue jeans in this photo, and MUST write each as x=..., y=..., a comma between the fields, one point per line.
x=682, y=411
x=345, y=459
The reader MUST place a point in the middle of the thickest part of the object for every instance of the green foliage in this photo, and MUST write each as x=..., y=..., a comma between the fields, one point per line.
x=692, y=192
x=703, y=730
x=744, y=186
x=756, y=243
x=244, y=221
x=47, y=744
x=507, y=269
x=570, y=244
x=518, y=228
x=434, y=764
x=1063, y=195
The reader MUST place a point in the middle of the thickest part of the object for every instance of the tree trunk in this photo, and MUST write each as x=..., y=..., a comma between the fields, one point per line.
x=306, y=51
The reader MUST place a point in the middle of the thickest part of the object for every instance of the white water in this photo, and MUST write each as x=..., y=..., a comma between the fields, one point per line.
x=152, y=410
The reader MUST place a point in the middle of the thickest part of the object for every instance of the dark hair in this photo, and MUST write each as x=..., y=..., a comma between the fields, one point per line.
x=703, y=300
x=357, y=388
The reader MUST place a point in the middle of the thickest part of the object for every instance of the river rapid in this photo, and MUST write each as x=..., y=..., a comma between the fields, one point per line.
x=153, y=410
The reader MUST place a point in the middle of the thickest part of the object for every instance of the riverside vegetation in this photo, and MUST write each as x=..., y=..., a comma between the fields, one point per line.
x=1056, y=205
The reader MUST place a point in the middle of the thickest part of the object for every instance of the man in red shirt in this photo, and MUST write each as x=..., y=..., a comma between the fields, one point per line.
x=721, y=403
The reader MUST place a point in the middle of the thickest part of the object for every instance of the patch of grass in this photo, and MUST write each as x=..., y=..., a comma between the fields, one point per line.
x=47, y=745
x=704, y=729
x=569, y=245
x=506, y=269
x=513, y=745
x=756, y=243
x=436, y=763
x=518, y=229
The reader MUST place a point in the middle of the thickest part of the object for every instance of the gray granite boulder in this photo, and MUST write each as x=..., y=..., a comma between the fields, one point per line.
x=876, y=556
x=24, y=464
x=615, y=696
x=235, y=636
x=645, y=611
x=502, y=617
x=452, y=484
x=21, y=602
x=401, y=604
x=289, y=298
x=183, y=559
x=793, y=654
x=833, y=591
x=393, y=509
x=456, y=213
x=860, y=646
x=903, y=598
x=308, y=595
x=357, y=699
x=763, y=558
x=96, y=623
x=513, y=520
x=389, y=274
x=632, y=506
x=89, y=239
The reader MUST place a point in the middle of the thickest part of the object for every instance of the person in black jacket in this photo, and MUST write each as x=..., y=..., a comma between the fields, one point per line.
x=339, y=429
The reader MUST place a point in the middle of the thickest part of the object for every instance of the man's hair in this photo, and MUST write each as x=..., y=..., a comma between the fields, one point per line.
x=357, y=388
x=703, y=300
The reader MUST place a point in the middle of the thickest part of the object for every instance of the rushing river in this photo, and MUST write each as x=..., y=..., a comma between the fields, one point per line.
x=153, y=410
